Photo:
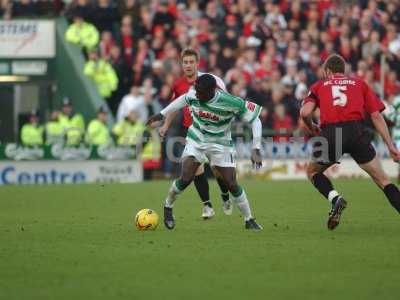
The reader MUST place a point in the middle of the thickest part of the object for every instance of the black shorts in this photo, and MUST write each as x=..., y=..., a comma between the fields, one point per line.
x=347, y=137
x=184, y=131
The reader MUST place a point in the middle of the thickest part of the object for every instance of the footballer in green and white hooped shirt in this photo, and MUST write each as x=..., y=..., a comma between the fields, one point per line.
x=209, y=137
x=392, y=113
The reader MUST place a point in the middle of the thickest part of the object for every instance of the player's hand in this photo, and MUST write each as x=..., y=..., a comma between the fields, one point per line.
x=394, y=153
x=315, y=130
x=163, y=131
x=150, y=122
x=256, y=158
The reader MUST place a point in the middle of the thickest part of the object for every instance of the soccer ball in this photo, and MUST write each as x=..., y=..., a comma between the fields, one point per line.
x=146, y=219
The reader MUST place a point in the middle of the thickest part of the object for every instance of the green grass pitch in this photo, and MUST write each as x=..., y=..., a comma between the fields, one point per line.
x=79, y=242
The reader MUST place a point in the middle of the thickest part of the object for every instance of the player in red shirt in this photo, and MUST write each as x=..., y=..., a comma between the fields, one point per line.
x=344, y=102
x=190, y=61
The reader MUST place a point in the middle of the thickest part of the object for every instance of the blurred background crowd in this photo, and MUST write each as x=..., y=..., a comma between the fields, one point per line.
x=267, y=51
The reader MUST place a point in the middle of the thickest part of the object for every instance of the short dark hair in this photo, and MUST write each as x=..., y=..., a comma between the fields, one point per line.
x=335, y=63
x=206, y=82
x=189, y=52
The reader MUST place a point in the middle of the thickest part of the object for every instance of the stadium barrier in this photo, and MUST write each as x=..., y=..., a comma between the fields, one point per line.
x=59, y=165
x=51, y=164
x=284, y=169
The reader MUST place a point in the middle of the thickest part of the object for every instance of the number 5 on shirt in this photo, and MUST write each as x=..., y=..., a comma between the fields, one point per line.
x=338, y=95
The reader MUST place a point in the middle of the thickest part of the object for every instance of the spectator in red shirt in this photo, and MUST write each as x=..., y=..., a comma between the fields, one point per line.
x=143, y=60
x=106, y=43
x=282, y=123
x=127, y=39
x=392, y=84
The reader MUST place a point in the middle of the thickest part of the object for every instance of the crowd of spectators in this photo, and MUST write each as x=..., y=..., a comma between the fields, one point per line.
x=266, y=51
x=30, y=8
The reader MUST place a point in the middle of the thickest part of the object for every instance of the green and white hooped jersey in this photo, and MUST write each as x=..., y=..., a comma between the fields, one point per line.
x=393, y=114
x=212, y=120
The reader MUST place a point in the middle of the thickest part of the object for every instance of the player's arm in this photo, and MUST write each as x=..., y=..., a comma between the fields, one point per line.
x=174, y=106
x=167, y=123
x=168, y=120
x=256, y=128
x=310, y=103
x=380, y=126
x=306, y=113
x=250, y=112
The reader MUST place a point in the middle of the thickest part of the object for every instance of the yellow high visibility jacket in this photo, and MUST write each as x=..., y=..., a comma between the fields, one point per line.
x=32, y=135
x=85, y=35
x=129, y=134
x=152, y=150
x=103, y=74
x=97, y=133
x=54, y=132
x=73, y=127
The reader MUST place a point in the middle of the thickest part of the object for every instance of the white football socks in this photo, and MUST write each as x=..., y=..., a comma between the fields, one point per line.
x=332, y=194
x=172, y=194
x=243, y=205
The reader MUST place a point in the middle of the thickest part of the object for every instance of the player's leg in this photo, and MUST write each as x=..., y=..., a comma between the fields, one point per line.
x=228, y=174
x=203, y=189
x=315, y=173
x=374, y=169
x=323, y=156
x=222, y=158
x=192, y=159
x=227, y=203
x=189, y=167
x=326, y=152
x=365, y=155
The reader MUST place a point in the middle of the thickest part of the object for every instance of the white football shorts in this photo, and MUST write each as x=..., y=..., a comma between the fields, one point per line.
x=216, y=155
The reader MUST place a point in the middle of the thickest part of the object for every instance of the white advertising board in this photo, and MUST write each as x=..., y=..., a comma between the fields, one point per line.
x=296, y=169
x=27, y=39
x=29, y=67
x=61, y=172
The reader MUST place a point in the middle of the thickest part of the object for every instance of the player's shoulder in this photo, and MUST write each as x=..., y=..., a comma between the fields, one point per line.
x=316, y=85
x=191, y=94
x=227, y=96
x=227, y=99
x=351, y=79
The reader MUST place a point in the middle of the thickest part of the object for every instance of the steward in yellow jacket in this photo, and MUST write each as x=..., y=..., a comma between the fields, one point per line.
x=32, y=133
x=54, y=130
x=102, y=73
x=82, y=33
x=97, y=132
x=129, y=131
x=73, y=124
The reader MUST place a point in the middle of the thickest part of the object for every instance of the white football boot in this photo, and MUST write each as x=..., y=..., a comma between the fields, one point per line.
x=208, y=212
